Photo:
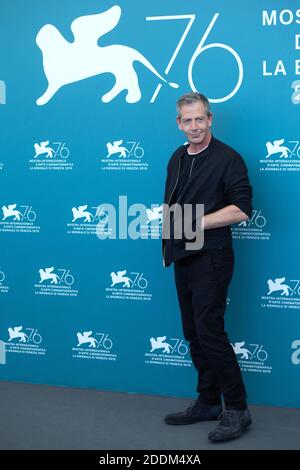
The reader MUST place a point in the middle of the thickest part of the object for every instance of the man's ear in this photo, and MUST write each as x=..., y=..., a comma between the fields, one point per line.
x=178, y=122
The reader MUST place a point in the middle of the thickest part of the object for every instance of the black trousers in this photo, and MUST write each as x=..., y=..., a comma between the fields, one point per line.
x=202, y=281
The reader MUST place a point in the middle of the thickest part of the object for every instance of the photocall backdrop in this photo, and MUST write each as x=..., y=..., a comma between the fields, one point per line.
x=88, y=92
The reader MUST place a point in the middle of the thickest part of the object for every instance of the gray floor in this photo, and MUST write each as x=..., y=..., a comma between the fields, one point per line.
x=42, y=417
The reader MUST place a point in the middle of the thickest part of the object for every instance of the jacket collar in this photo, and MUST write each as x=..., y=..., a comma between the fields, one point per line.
x=183, y=149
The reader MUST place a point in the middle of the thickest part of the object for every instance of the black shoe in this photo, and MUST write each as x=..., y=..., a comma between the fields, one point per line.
x=197, y=411
x=233, y=423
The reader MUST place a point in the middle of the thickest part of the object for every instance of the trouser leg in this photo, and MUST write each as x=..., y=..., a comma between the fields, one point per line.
x=207, y=385
x=207, y=277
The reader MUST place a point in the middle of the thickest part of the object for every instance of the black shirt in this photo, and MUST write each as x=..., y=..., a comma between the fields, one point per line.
x=187, y=165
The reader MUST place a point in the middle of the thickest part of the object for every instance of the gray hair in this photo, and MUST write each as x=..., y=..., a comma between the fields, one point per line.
x=193, y=97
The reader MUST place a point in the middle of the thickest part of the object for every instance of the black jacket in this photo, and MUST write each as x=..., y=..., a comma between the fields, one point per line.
x=216, y=177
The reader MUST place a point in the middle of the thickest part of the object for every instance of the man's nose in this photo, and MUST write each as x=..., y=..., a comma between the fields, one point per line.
x=194, y=125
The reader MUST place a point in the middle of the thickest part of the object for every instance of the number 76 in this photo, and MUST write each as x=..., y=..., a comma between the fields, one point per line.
x=200, y=48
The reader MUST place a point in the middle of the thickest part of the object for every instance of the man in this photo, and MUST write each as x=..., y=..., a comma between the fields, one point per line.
x=206, y=171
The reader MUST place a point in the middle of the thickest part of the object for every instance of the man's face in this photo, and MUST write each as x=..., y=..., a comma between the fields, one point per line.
x=195, y=123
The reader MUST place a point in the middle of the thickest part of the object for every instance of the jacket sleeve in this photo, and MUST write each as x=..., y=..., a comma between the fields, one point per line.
x=237, y=187
x=167, y=183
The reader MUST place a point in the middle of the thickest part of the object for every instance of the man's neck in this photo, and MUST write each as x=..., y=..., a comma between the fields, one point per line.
x=197, y=148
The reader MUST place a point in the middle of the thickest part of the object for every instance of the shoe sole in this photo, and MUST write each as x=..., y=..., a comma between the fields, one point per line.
x=172, y=423
x=233, y=436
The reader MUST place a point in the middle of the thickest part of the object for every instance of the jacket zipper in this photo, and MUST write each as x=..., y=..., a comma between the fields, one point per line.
x=191, y=169
x=178, y=173
x=190, y=173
